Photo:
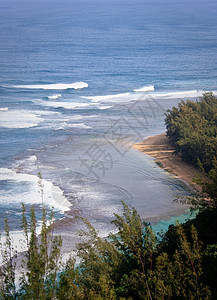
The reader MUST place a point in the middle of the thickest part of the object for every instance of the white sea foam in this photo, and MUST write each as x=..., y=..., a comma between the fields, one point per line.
x=181, y=94
x=72, y=105
x=53, y=195
x=105, y=107
x=57, y=96
x=109, y=98
x=191, y=94
x=119, y=98
x=66, y=125
x=168, y=95
x=55, y=86
x=66, y=105
x=3, y=108
x=23, y=118
x=17, y=240
x=31, y=158
x=28, y=164
x=147, y=88
x=81, y=125
x=140, y=95
x=19, y=119
x=173, y=95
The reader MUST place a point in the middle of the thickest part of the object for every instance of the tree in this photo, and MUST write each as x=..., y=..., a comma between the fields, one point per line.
x=8, y=267
x=98, y=266
x=187, y=267
x=41, y=264
x=137, y=242
x=192, y=130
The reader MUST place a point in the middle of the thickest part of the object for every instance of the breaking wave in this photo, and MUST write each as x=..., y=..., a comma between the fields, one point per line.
x=57, y=96
x=109, y=98
x=55, y=86
x=147, y=88
x=25, y=189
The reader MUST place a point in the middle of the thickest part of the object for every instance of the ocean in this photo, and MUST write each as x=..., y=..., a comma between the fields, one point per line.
x=80, y=83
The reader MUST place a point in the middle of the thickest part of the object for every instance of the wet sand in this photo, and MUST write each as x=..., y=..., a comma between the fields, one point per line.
x=160, y=149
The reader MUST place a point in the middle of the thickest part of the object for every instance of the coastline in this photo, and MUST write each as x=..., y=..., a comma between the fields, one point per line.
x=159, y=148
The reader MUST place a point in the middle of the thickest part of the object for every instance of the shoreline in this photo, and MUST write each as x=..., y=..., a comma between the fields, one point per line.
x=159, y=148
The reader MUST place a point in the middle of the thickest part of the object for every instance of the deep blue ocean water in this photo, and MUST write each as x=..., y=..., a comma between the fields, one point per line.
x=80, y=82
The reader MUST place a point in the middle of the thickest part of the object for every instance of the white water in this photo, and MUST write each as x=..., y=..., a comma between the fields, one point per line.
x=19, y=119
x=23, y=118
x=55, y=86
x=147, y=88
x=108, y=98
x=141, y=94
x=25, y=189
x=57, y=96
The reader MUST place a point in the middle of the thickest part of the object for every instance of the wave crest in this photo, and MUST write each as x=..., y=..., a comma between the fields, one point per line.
x=57, y=96
x=55, y=86
x=108, y=98
x=146, y=88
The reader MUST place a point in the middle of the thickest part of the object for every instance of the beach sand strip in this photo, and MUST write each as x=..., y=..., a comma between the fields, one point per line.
x=160, y=149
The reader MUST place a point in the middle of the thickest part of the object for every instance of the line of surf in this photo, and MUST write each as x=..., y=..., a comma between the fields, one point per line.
x=146, y=88
x=107, y=98
x=55, y=86
x=70, y=105
x=145, y=93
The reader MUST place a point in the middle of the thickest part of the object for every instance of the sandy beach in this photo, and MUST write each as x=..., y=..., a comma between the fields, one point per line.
x=160, y=149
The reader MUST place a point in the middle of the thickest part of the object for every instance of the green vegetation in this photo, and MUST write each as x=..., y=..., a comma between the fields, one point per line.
x=40, y=262
x=135, y=263
x=192, y=130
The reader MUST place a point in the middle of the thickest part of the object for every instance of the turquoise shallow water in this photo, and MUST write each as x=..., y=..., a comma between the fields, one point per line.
x=162, y=225
x=80, y=82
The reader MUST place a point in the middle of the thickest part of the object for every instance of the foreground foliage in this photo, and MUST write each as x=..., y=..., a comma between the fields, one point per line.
x=39, y=265
x=133, y=264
